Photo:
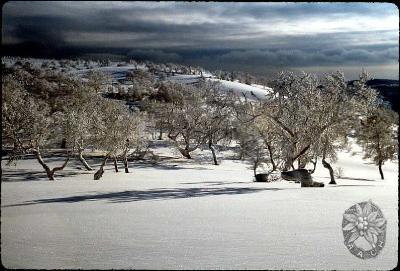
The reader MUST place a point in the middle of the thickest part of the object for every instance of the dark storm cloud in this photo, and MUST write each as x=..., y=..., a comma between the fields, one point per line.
x=299, y=58
x=154, y=55
x=216, y=35
x=37, y=30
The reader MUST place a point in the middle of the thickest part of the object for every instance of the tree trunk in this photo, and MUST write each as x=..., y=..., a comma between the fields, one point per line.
x=289, y=165
x=185, y=152
x=211, y=147
x=271, y=157
x=126, y=166
x=100, y=172
x=161, y=133
x=115, y=164
x=49, y=172
x=314, y=164
x=125, y=156
x=241, y=153
x=328, y=166
x=255, y=168
x=63, y=143
x=300, y=165
x=83, y=161
x=302, y=162
x=380, y=170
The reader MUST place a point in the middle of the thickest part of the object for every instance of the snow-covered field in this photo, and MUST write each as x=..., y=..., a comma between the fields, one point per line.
x=181, y=214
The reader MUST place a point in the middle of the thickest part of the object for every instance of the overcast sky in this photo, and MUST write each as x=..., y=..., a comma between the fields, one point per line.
x=261, y=38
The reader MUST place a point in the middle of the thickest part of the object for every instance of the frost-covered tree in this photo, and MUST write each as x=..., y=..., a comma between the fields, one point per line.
x=260, y=141
x=217, y=124
x=183, y=119
x=116, y=132
x=326, y=147
x=194, y=115
x=142, y=85
x=304, y=117
x=377, y=135
x=98, y=81
x=27, y=125
x=166, y=93
x=346, y=103
x=80, y=118
x=307, y=108
x=253, y=148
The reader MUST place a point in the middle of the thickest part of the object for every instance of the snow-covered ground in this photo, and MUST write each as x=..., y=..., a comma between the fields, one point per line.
x=254, y=92
x=181, y=214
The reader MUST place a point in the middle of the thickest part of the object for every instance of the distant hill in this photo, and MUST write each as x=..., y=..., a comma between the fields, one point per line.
x=388, y=90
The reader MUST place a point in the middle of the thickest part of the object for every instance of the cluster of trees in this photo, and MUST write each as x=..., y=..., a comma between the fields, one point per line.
x=172, y=68
x=242, y=77
x=80, y=119
x=304, y=118
x=192, y=116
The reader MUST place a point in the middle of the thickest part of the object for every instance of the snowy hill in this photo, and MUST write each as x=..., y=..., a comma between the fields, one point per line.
x=252, y=92
x=118, y=72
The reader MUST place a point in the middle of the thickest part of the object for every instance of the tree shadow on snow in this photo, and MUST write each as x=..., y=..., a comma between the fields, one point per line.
x=348, y=185
x=156, y=165
x=152, y=194
x=214, y=183
x=358, y=179
x=33, y=175
x=351, y=178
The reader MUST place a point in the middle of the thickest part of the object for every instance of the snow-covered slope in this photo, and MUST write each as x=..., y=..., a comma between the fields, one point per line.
x=252, y=92
x=181, y=214
x=119, y=71
x=249, y=91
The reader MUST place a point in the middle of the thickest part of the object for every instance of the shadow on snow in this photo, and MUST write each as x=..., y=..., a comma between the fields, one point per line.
x=152, y=194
